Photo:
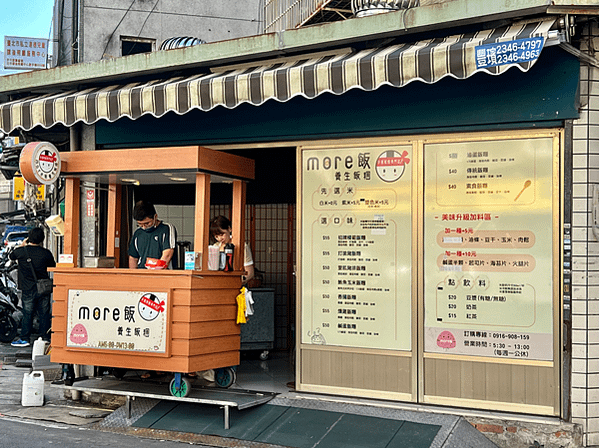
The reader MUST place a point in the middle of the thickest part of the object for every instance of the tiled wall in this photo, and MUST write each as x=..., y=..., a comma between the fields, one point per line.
x=272, y=227
x=585, y=256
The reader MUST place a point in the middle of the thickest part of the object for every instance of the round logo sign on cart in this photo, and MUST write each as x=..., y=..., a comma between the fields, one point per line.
x=39, y=163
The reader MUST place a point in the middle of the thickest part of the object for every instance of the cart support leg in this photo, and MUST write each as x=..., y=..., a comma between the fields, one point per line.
x=128, y=406
x=226, y=417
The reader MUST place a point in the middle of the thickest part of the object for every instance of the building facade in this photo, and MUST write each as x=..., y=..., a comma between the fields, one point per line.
x=443, y=201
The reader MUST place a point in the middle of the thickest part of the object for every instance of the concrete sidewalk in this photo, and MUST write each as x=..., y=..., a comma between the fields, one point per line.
x=107, y=413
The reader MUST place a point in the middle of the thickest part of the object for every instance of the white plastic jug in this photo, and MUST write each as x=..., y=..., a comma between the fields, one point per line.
x=33, y=389
x=39, y=348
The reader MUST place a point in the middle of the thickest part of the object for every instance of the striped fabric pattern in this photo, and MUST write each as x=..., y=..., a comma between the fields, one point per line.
x=426, y=61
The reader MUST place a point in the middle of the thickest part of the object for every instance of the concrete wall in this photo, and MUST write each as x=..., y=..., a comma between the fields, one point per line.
x=585, y=255
x=103, y=22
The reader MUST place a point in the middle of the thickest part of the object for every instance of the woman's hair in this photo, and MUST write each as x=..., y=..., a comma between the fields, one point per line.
x=218, y=224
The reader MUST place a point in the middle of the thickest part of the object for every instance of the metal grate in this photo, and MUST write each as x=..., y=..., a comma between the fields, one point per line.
x=270, y=232
x=281, y=15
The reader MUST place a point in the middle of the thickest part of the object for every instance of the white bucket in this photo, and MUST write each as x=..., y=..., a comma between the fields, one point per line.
x=33, y=389
x=39, y=348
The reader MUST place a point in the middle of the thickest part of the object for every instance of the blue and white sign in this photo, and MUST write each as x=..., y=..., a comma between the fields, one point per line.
x=511, y=52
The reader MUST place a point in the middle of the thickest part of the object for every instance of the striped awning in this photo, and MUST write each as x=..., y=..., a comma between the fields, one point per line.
x=492, y=51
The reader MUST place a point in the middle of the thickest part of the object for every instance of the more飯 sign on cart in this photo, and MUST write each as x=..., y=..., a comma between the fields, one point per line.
x=117, y=320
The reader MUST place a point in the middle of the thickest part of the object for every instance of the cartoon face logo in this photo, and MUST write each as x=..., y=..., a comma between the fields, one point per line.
x=47, y=160
x=78, y=334
x=391, y=165
x=150, y=306
x=446, y=340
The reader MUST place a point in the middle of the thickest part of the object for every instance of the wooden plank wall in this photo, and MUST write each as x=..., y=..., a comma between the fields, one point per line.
x=348, y=369
x=203, y=330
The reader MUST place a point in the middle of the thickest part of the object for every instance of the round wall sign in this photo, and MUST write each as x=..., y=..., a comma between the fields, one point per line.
x=39, y=163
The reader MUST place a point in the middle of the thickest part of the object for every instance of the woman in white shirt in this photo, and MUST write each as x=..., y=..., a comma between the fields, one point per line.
x=220, y=230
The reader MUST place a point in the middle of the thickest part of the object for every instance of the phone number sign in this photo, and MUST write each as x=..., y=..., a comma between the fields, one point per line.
x=512, y=52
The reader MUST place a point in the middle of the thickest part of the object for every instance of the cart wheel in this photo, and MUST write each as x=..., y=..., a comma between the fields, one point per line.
x=264, y=355
x=184, y=389
x=225, y=377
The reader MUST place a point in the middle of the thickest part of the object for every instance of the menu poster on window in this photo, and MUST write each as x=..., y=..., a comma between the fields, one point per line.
x=356, y=247
x=488, y=248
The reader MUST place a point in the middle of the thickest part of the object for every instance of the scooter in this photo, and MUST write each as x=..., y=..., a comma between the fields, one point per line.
x=9, y=303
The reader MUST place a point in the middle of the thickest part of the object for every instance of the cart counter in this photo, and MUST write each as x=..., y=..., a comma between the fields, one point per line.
x=168, y=320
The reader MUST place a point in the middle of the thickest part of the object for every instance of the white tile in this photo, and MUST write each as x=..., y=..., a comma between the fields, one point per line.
x=579, y=248
x=579, y=322
x=592, y=424
x=579, y=351
x=593, y=352
x=593, y=322
x=580, y=132
x=593, y=395
x=580, y=219
x=579, y=366
x=578, y=277
x=579, y=175
x=579, y=410
x=580, y=161
x=189, y=211
x=592, y=304
x=579, y=395
x=579, y=307
x=580, y=146
x=579, y=420
x=583, y=204
x=580, y=234
x=579, y=337
x=188, y=225
x=593, y=145
x=161, y=210
x=592, y=439
x=594, y=102
x=579, y=379
x=593, y=366
x=175, y=211
x=579, y=263
x=580, y=190
x=593, y=250
x=177, y=222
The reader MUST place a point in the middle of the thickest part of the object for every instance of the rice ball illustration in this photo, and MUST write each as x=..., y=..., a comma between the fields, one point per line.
x=446, y=340
x=78, y=334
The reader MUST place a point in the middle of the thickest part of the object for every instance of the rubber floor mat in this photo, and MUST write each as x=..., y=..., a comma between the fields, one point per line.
x=289, y=426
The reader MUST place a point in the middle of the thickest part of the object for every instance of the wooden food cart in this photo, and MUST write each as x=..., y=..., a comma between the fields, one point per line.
x=178, y=321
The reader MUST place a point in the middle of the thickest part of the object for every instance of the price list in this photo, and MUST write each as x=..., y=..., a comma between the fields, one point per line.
x=488, y=249
x=355, y=261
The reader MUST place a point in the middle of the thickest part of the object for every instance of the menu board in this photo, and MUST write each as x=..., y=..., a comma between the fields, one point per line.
x=356, y=247
x=488, y=248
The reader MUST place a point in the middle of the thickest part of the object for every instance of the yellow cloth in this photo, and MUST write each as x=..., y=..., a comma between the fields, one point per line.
x=241, y=307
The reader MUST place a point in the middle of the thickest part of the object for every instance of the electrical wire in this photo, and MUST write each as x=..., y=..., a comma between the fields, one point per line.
x=116, y=27
x=147, y=17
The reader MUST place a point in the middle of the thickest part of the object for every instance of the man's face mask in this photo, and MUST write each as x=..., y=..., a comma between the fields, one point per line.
x=148, y=224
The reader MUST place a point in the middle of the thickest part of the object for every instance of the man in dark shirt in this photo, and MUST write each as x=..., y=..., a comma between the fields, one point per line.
x=31, y=253
x=153, y=239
